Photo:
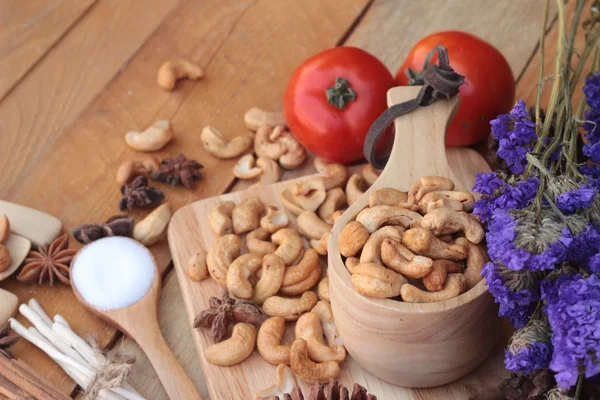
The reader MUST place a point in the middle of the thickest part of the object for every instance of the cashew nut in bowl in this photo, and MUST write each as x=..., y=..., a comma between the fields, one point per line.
x=354, y=188
x=269, y=339
x=264, y=147
x=219, y=146
x=152, y=139
x=256, y=242
x=306, y=369
x=387, y=197
x=294, y=155
x=290, y=245
x=375, y=280
x=321, y=245
x=245, y=168
x=286, y=381
x=423, y=242
x=400, y=259
x=311, y=226
x=235, y=349
x=289, y=308
x=171, y=71
x=371, y=252
x=219, y=218
x=308, y=327
x=273, y=271
x=270, y=171
x=221, y=255
x=300, y=271
x=275, y=220
x=351, y=263
x=238, y=273
x=196, y=269
x=444, y=220
x=427, y=184
x=370, y=174
x=257, y=117
x=435, y=280
x=245, y=216
x=309, y=194
x=335, y=199
x=304, y=285
x=323, y=289
x=334, y=175
x=352, y=238
x=476, y=259
x=143, y=165
x=374, y=217
x=323, y=310
x=459, y=201
x=288, y=201
x=455, y=285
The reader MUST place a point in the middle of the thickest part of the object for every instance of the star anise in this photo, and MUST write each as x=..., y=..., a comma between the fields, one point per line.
x=49, y=263
x=7, y=342
x=139, y=194
x=226, y=310
x=333, y=391
x=179, y=170
x=119, y=225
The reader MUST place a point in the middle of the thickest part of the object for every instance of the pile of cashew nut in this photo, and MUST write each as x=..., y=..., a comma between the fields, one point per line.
x=423, y=246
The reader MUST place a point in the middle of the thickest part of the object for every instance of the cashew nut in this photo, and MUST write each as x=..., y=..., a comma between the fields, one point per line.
x=294, y=155
x=476, y=259
x=290, y=308
x=370, y=174
x=351, y=263
x=304, y=285
x=421, y=241
x=444, y=220
x=273, y=271
x=459, y=201
x=455, y=285
x=219, y=218
x=286, y=381
x=219, y=146
x=374, y=217
x=196, y=268
x=270, y=172
x=257, y=117
x=428, y=184
x=397, y=257
x=144, y=165
x=354, y=188
x=221, y=255
x=446, y=238
x=335, y=199
x=171, y=71
x=245, y=216
x=309, y=328
x=387, y=197
x=238, y=273
x=269, y=339
x=309, y=194
x=374, y=280
x=5, y=258
x=288, y=201
x=152, y=139
x=323, y=289
x=264, y=147
x=321, y=245
x=371, y=252
x=245, y=169
x=311, y=226
x=337, y=214
x=308, y=370
x=4, y=228
x=323, y=310
x=235, y=349
x=334, y=175
x=257, y=243
x=149, y=230
x=275, y=220
x=300, y=271
x=435, y=280
x=290, y=245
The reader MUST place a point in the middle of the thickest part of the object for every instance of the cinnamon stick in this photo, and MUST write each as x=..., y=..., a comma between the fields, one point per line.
x=15, y=373
x=9, y=390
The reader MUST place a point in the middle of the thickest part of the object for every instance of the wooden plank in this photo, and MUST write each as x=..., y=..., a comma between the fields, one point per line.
x=28, y=30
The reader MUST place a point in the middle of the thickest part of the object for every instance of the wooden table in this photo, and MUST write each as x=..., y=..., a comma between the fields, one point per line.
x=76, y=74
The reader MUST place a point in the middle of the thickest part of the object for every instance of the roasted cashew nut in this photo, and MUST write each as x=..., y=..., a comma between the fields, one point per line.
x=290, y=245
x=150, y=230
x=308, y=327
x=286, y=381
x=257, y=117
x=246, y=215
x=351, y=263
x=256, y=242
x=171, y=71
x=289, y=308
x=334, y=175
x=245, y=168
x=388, y=197
x=311, y=226
x=288, y=201
x=428, y=184
x=354, y=188
x=374, y=280
x=235, y=349
x=423, y=242
x=301, y=271
x=323, y=310
x=458, y=201
x=275, y=220
x=4, y=228
x=400, y=259
x=145, y=165
x=476, y=259
x=264, y=147
x=238, y=273
x=152, y=139
x=269, y=339
x=323, y=289
x=335, y=199
x=309, y=194
x=455, y=285
x=196, y=268
x=370, y=174
x=294, y=152
x=371, y=252
x=219, y=146
x=444, y=220
x=306, y=369
x=304, y=285
x=270, y=172
x=221, y=255
x=436, y=279
x=219, y=218
x=321, y=245
x=273, y=270
x=374, y=217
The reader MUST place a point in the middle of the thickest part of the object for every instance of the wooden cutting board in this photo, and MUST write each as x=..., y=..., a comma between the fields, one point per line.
x=189, y=231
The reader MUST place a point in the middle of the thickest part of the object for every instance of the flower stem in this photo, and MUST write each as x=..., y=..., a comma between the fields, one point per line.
x=540, y=88
x=579, y=387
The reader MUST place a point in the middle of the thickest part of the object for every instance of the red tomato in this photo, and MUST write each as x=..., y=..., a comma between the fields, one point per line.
x=489, y=87
x=336, y=133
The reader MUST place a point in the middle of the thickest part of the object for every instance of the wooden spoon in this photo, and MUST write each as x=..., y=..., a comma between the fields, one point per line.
x=140, y=322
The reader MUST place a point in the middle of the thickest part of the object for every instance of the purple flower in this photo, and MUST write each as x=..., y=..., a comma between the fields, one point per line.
x=512, y=197
x=582, y=247
x=592, y=91
x=594, y=263
x=592, y=150
x=592, y=172
x=487, y=184
x=529, y=358
x=592, y=125
x=575, y=199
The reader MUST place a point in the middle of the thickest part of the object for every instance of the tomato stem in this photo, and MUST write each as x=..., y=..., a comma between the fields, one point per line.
x=416, y=78
x=340, y=93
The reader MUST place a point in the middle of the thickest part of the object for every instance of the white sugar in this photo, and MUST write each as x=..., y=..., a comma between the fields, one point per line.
x=113, y=272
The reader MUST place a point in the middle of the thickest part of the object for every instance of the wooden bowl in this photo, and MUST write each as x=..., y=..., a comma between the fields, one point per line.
x=415, y=345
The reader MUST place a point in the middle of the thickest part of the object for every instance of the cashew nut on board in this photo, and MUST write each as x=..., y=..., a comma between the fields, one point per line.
x=270, y=172
x=143, y=165
x=268, y=342
x=290, y=308
x=219, y=218
x=458, y=201
x=286, y=381
x=290, y=245
x=374, y=217
x=308, y=327
x=221, y=255
x=444, y=220
x=294, y=152
x=171, y=71
x=355, y=188
x=219, y=146
x=235, y=349
x=435, y=280
x=311, y=226
x=245, y=216
x=321, y=245
x=476, y=259
x=333, y=175
x=300, y=271
x=196, y=268
x=371, y=252
x=306, y=369
x=387, y=197
x=427, y=184
x=150, y=230
x=273, y=270
x=257, y=243
x=152, y=139
x=323, y=310
x=335, y=199
x=304, y=285
x=309, y=194
x=257, y=117
x=455, y=285
x=288, y=201
x=352, y=238
x=375, y=280
x=266, y=148
x=245, y=168
x=275, y=220
x=400, y=259
x=370, y=174
x=238, y=273
x=323, y=289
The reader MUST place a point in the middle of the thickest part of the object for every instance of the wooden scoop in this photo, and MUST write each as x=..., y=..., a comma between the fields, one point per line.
x=139, y=321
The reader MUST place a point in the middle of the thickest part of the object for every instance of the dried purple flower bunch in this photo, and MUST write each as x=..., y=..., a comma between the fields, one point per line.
x=542, y=218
